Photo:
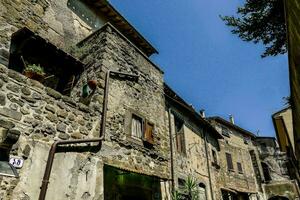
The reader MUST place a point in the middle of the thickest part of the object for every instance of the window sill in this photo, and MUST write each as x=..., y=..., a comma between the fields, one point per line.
x=135, y=140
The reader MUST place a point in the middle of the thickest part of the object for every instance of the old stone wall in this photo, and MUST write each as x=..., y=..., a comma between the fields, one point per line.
x=239, y=149
x=41, y=116
x=51, y=19
x=108, y=49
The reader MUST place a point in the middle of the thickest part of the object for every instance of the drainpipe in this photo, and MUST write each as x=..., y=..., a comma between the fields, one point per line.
x=171, y=150
x=208, y=167
x=54, y=146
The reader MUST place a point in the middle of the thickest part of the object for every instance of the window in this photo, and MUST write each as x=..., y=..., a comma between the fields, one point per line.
x=30, y=53
x=229, y=162
x=136, y=127
x=142, y=129
x=266, y=172
x=225, y=131
x=86, y=13
x=214, y=156
x=239, y=167
x=179, y=131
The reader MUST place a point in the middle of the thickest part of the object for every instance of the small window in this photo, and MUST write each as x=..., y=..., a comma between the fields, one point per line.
x=136, y=127
x=225, y=131
x=266, y=171
x=142, y=129
x=229, y=162
x=179, y=131
x=239, y=167
x=214, y=156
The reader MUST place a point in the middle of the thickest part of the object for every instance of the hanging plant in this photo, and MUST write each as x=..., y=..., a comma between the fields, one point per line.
x=35, y=72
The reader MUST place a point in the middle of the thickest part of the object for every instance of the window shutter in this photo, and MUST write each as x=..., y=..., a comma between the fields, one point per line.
x=229, y=162
x=239, y=166
x=178, y=141
x=148, y=134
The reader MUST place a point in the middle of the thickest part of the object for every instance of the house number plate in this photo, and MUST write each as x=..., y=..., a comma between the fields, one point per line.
x=17, y=162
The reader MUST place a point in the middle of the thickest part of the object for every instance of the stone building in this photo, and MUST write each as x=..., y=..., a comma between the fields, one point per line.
x=277, y=180
x=194, y=147
x=239, y=175
x=283, y=124
x=111, y=142
x=101, y=123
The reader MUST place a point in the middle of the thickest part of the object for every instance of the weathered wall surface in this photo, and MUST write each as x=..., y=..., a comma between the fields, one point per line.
x=108, y=49
x=234, y=145
x=41, y=116
x=51, y=19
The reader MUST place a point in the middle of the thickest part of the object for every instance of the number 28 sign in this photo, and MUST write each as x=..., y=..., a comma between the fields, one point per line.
x=17, y=162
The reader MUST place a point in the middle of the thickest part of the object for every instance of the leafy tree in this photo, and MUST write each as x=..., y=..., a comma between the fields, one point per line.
x=261, y=21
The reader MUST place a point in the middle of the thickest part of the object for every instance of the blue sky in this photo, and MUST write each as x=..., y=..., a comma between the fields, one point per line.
x=207, y=65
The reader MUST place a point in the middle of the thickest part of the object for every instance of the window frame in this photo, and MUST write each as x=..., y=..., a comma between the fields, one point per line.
x=133, y=115
x=180, y=136
x=144, y=139
x=228, y=155
x=239, y=167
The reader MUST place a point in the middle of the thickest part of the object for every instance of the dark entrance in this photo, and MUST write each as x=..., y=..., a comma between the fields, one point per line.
x=124, y=185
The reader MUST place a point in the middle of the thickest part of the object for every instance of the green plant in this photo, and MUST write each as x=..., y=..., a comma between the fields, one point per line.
x=188, y=192
x=35, y=68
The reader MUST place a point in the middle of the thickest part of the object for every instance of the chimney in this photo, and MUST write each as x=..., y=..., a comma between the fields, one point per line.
x=231, y=119
x=202, y=113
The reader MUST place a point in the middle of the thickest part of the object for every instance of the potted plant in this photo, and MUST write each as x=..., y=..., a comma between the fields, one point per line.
x=35, y=72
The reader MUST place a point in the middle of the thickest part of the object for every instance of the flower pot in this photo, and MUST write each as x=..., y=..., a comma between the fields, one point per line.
x=92, y=84
x=34, y=76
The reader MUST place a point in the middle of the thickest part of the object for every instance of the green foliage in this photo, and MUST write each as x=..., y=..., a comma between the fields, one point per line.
x=188, y=192
x=261, y=21
x=35, y=68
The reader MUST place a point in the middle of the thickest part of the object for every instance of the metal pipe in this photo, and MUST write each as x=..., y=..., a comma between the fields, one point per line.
x=207, y=162
x=171, y=150
x=54, y=146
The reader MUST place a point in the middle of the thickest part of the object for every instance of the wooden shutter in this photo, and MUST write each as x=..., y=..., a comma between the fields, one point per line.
x=148, y=134
x=229, y=162
x=178, y=142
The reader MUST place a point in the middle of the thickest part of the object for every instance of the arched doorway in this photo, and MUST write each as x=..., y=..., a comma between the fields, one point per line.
x=278, y=198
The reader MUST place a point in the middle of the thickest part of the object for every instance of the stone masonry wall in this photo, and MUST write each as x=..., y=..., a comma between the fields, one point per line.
x=243, y=182
x=51, y=19
x=42, y=116
x=107, y=49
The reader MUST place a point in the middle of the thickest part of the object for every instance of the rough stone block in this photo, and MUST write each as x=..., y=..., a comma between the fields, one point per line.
x=50, y=108
x=53, y=93
x=2, y=99
x=26, y=91
x=61, y=127
x=11, y=113
x=6, y=124
x=63, y=136
x=13, y=87
x=17, y=76
x=52, y=117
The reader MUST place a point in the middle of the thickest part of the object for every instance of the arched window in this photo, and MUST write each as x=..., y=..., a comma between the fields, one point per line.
x=266, y=172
